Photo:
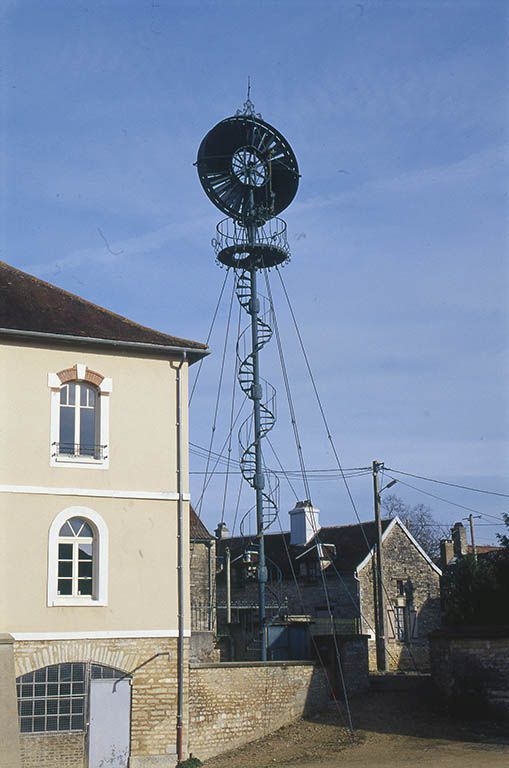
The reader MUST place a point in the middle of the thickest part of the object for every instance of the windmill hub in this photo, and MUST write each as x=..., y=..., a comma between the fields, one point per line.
x=249, y=168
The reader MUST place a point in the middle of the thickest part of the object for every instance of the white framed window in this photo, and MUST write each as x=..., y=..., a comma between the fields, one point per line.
x=79, y=423
x=78, y=558
x=76, y=555
x=79, y=432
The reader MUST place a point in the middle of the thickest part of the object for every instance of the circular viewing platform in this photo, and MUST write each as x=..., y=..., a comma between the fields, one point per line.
x=267, y=248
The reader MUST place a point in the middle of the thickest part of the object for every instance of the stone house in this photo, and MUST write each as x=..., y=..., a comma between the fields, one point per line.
x=301, y=561
x=202, y=569
x=457, y=547
x=94, y=502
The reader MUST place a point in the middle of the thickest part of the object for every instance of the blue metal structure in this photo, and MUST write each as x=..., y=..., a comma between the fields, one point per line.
x=249, y=171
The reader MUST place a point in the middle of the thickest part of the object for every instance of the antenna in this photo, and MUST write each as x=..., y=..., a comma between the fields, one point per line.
x=249, y=171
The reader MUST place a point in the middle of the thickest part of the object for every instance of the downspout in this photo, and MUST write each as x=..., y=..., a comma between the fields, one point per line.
x=360, y=620
x=180, y=566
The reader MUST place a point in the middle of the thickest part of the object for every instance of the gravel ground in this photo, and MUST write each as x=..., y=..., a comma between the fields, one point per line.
x=392, y=730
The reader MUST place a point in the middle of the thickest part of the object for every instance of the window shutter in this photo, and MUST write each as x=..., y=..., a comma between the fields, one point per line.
x=413, y=625
x=390, y=625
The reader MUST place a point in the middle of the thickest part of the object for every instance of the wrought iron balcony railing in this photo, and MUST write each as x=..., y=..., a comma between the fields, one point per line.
x=321, y=625
x=72, y=450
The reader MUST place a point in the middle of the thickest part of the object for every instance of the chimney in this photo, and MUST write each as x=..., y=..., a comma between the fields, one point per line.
x=222, y=531
x=303, y=522
x=446, y=553
x=459, y=538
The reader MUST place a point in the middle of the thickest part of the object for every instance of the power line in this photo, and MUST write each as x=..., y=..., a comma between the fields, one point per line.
x=444, y=482
x=446, y=501
x=478, y=525
x=316, y=474
x=195, y=448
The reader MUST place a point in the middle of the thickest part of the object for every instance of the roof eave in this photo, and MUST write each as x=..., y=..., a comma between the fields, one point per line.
x=192, y=354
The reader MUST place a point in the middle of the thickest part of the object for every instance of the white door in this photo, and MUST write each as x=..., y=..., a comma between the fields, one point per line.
x=109, y=725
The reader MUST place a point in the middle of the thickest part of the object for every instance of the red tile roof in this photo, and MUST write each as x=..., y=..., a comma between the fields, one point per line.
x=197, y=531
x=484, y=549
x=30, y=305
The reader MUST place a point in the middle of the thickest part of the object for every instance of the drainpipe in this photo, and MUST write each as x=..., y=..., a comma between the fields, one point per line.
x=180, y=566
x=359, y=619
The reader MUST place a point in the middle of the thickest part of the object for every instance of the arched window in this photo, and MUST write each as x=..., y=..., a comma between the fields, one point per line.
x=79, y=423
x=76, y=558
x=79, y=420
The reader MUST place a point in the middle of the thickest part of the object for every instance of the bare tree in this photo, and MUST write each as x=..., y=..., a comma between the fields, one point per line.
x=420, y=522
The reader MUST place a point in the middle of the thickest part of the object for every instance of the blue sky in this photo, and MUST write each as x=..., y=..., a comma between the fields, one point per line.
x=398, y=114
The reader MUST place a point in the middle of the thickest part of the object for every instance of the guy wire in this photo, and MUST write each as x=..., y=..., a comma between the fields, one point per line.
x=326, y=425
x=208, y=336
x=218, y=397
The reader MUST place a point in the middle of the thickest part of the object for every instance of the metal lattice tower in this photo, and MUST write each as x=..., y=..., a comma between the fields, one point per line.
x=249, y=171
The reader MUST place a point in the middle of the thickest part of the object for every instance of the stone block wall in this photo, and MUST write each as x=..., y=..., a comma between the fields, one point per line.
x=353, y=655
x=203, y=585
x=203, y=648
x=471, y=673
x=65, y=750
x=153, y=706
x=402, y=562
x=232, y=704
x=9, y=739
x=354, y=662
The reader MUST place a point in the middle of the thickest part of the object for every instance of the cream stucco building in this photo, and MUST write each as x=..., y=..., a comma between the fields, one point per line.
x=93, y=484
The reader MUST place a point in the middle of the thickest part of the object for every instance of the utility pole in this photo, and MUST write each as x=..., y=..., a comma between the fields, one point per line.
x=381, y=648
x=227, y=559
x=470, y=519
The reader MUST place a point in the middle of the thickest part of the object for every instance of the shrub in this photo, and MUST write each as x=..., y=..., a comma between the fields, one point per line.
x=191, y=762
x=476, y=592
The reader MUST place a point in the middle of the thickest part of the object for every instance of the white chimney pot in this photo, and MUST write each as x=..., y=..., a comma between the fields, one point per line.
x=304, y=523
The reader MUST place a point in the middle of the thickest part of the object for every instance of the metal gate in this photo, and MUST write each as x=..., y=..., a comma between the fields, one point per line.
x=109, y=724
x=288, y=642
